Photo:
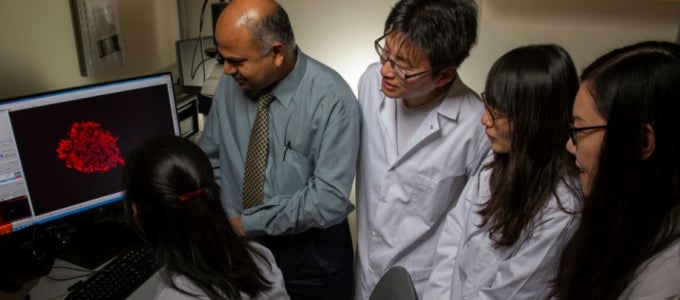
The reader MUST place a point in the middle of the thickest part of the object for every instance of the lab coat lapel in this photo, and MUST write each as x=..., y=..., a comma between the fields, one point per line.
x=388, y=122
x=427, y=132
x=446, y=114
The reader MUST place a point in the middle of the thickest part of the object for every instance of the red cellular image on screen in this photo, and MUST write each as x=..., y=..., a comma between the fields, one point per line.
x=89, y=148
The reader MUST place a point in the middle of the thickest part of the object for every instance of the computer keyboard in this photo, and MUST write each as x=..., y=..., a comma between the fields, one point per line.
x=120, y=277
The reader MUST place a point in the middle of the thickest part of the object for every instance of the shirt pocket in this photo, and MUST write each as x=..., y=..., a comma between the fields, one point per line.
x=430, y=198
x=294, y=172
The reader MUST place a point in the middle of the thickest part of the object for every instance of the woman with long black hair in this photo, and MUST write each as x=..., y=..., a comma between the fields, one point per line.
x=173, y=201
x=503, y=238
x=626, y=139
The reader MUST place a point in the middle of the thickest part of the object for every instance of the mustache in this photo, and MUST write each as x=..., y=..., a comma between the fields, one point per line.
x=238, y=76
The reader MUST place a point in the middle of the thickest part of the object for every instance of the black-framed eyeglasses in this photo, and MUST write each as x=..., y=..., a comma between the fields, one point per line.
x=221, y=59
x=385, y=57
x=489, y=111
x=573, y=131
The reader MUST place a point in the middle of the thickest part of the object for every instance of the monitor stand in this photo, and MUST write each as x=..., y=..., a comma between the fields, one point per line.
x=92, y=244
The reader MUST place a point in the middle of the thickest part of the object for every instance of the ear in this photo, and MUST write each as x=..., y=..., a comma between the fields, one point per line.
x=445, y=76
x=649, y=142
x=135, y=217
x=279, y=53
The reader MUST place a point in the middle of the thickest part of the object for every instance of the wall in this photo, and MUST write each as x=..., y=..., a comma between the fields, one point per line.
x=585, y=28
x=38, y=48
x=341, y=33
x=38, y=45
x=343, y=36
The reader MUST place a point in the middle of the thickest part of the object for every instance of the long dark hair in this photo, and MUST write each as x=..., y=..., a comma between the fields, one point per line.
x=534, y=87
x=192, y=237
x=633, y=210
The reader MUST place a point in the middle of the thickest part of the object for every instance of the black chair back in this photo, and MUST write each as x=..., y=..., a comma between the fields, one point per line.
x=395, y=284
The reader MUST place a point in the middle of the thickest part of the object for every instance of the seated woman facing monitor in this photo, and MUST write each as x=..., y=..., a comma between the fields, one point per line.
x=504, y=237
x=626, y=139
x=172, y=200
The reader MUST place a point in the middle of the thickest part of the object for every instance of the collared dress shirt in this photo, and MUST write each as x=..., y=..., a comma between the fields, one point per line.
x=469, y=266
x=402, y=199
x=313, y=144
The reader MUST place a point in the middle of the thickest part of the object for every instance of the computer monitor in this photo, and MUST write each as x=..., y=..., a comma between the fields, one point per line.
x=195, y=62
x=62, y=152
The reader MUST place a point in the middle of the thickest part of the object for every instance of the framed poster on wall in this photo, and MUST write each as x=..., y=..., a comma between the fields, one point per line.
x=97, y=30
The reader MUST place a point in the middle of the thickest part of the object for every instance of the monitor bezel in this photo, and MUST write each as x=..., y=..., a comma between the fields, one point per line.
x=111, y=201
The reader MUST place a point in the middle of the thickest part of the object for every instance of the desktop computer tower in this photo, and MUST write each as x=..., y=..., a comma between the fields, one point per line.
x=187, y=115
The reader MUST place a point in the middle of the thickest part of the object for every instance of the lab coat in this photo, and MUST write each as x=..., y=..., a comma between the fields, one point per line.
x=658, y=277
x=402, y=199
x=468, y=265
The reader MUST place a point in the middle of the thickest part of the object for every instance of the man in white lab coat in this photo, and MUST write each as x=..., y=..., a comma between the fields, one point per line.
x=421, y=138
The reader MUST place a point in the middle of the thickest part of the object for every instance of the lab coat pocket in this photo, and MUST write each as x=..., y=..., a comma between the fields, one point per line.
x=294, y=173
x=430, y=198
x=419, y=277
x=478, y=265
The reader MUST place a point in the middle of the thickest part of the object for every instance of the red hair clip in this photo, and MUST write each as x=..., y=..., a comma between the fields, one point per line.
x=194, y=194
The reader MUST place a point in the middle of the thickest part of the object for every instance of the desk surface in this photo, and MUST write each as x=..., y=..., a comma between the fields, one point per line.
x=49, y=289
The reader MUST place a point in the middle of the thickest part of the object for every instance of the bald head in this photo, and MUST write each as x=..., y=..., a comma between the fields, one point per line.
x=247, y=12
x=265, y=22
x=255, y=39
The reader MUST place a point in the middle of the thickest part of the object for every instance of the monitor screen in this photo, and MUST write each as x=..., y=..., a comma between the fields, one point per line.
x=62, y=152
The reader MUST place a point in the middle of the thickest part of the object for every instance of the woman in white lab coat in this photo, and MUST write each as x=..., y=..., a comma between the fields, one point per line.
x=626, y=139
x=504, y=237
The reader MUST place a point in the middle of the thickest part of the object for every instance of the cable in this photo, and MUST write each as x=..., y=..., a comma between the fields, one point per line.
x=50, y=278
x=199, y=42
x=85, y=273
x=202, y=63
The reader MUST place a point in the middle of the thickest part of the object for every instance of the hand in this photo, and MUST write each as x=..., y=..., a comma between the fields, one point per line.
x=237, y=225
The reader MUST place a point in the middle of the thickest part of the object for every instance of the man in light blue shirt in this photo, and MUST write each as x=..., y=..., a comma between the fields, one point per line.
x=313, y=143
x=421, y=138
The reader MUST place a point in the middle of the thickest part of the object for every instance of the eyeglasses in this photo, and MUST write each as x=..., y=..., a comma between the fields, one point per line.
x=221, y=59
x=385, y=57
x=574, y=130
x=490, y=111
